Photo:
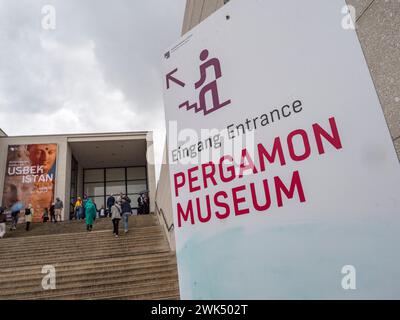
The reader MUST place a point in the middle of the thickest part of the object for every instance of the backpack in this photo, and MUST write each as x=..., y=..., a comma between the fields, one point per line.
x=28, y=212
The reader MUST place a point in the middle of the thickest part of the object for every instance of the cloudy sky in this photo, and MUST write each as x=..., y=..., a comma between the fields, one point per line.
x=98, y=71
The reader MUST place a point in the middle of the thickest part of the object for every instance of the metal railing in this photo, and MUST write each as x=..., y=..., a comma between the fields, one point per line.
x=161, y=212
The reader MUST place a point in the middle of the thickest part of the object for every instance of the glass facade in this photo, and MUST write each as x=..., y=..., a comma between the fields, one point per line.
x=99, y=184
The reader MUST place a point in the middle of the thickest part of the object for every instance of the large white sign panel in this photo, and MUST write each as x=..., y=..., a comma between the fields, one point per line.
x=300, y=198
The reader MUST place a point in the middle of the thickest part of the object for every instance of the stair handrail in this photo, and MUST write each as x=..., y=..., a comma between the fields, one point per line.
x=161, y=212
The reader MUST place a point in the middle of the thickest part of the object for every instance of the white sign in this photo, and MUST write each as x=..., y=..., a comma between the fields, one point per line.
x=283, y=171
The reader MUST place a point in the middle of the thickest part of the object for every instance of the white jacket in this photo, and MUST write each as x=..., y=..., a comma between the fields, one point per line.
x=116, y=212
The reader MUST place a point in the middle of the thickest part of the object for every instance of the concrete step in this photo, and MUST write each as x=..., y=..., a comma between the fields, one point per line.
x=57, y=259
x=90, y=280
x=77, y=226
x=94, y=263
x=150, y=294
x=91, y=265
x=109, y=241
x=148, y=287
x=81, y=233
x=14, y=281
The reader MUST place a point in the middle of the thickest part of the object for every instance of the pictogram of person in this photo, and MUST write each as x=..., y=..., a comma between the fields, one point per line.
x=211, y=87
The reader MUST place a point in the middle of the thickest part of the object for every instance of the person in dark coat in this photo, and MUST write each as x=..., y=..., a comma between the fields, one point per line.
x=140, y=204
x=126, y=212
x=52, y=213
x=146, y=205
x=110, y=203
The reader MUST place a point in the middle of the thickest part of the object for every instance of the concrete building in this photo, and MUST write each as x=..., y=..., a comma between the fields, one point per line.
x=377, y=25
x=97, y=165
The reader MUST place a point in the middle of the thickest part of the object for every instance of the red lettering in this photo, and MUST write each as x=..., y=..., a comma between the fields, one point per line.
x=222, y=205
x=295, y=184
x=230, y=169
x=193, y=179
x=306, y=143
x=208, y=217
x=250, y=164
x=209, y=175
x=178, y=184
x=267, y=204
x=185, y=215
x=276, y=150
x=237, y=201
x=334, y=139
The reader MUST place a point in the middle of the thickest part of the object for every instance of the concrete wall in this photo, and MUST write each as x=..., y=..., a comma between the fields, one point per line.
x=62, y=163
x=151, y=171
x=68, y=169
x=164, y=203
x=378, y=29
x=197, y=10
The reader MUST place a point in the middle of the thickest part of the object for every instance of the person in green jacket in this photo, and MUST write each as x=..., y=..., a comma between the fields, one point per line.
x=90, y=210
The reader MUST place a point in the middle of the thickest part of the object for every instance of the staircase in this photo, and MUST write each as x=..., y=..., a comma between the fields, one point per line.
x=89, y=265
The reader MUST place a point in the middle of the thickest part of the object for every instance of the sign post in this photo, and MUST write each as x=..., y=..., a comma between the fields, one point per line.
x=283, y=174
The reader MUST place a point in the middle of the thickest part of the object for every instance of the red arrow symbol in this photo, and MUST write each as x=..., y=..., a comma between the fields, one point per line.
x=169, y=78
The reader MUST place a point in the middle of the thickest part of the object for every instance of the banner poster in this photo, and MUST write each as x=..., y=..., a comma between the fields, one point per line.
x=30, y=178
x=284, y=177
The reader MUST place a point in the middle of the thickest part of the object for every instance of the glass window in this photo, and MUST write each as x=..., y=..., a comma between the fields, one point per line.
x=117, y=174
x=136, y=186
x=99, y=201
x=96, y=175
x=94, y=189
x=136, y=173
x=115, y=187
x=134, y=197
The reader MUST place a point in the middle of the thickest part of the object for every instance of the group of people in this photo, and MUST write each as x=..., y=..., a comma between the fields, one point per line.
x=143, y=204
x=55, y=213
x=85, y=209
x=118, y=208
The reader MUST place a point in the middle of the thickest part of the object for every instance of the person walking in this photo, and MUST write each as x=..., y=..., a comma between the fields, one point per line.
x=3, y=220
x=140, y=204
x=110, y=203
x=90, y=212
x=15, y=210
x=28, y=216
x=58, y=206
x=126, y=212
x=146, y=205
x=52, y=214
x=78, y=209
x=116, y=217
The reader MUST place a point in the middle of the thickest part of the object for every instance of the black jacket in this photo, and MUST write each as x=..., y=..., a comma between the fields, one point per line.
x=126, y=207
x=110, y=201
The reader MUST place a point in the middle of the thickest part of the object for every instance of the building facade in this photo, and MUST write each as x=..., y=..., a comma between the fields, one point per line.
x=37, y=169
